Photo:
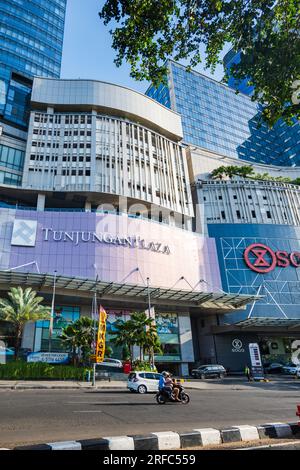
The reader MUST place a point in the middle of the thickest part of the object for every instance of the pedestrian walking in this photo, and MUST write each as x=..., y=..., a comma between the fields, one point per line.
x=248, y=373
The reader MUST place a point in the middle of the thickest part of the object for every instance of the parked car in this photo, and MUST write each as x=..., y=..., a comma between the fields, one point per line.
x=110, y=365
x=108, y=361
x=291, y=369
x=143, y=381
x=273, y=368
x=209, y=371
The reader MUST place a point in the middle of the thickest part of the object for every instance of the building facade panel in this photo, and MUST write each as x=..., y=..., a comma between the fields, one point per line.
x=110, y=246
x=279, y=287
x=106, y=152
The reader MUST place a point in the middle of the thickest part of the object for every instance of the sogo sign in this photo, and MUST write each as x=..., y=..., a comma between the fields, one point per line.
x=262, y=259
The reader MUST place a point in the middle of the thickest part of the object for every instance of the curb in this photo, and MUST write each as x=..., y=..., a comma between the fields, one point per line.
x=170, y=440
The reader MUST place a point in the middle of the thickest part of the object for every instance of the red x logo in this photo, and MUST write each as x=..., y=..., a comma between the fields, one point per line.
x=265, y=258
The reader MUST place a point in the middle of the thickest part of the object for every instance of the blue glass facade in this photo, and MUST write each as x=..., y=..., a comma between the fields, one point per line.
x=287, y=136
x=31, y=42
x=279, y=287
x=231, y=58
x=214, y=117
x=31, y=36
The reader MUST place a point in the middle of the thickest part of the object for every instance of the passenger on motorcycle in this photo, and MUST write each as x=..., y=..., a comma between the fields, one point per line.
x=165, y=383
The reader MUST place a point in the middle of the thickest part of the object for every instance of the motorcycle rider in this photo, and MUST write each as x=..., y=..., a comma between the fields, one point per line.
x=165, y=383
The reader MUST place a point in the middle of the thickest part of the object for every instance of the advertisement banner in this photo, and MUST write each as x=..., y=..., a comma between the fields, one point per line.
x=256, y=364
x=50, y=358
x=100, y=345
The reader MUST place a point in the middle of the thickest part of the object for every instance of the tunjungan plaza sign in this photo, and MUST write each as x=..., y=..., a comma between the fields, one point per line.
x=77, y=236
x=25, y=232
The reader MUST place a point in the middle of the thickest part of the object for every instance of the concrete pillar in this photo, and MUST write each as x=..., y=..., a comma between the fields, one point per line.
x=28, y=335
x=184, y=369
x=41, y=202
x=88, y=206
x=185, y=338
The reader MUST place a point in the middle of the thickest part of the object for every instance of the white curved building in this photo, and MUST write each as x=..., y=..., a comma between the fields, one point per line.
x=95, y=138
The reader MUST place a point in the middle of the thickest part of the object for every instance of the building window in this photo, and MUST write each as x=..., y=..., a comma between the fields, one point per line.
x=253, y=214
x=269, y=215
x=238, y=214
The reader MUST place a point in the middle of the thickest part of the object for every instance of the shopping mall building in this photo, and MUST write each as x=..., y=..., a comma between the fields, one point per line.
x=107, y=191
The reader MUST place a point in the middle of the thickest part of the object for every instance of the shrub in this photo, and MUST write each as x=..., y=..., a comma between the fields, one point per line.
x=142, y=365
x=39, y=370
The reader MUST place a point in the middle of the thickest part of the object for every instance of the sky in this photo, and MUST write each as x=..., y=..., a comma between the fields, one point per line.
x=87, y=49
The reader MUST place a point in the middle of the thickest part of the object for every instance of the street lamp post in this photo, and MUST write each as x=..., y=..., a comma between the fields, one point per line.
x=149, y=298
x=149, y=314
x=94, y=308
x=52, y=313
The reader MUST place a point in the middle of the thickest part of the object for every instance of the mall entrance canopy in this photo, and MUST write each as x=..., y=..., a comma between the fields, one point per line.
x=261, y=324
x=219, y=302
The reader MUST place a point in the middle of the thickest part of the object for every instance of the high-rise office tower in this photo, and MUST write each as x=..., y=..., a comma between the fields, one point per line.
x=217, y=119
x=31, y=42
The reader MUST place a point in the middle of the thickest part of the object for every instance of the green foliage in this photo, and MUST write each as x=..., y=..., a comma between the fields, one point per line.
x=108, y=350
x=247, y=172
x=125, y=353
x=78, y=338
x=231, y=171
x=148, y=32
x=143, y=365
x=20, y=370
x=138, y=330
x=20, y=307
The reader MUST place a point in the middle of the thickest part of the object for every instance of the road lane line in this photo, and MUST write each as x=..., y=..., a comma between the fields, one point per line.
x=88, y=411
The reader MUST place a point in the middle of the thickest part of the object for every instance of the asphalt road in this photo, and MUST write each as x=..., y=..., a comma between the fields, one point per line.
x=37, y=416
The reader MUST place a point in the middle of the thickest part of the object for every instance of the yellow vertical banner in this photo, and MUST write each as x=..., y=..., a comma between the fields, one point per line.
x=100, y=346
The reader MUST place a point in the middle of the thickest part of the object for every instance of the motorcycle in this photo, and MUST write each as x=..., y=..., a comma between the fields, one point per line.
x=163, y=396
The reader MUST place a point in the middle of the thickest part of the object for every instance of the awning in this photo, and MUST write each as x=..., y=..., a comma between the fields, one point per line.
x=267, y=322
x=86, y=287
x=260, y=325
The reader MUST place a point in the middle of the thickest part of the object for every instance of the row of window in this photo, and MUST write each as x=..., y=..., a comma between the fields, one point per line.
x=76, y=133
x=54, y=158
x=75, y=145
x=55, y=133
x=10, y=178
x=48, y=118
x=68, y=172
x=11, y=158
x=69, y=119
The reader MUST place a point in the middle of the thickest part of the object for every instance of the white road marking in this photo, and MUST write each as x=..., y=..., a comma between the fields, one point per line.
x=88, y=411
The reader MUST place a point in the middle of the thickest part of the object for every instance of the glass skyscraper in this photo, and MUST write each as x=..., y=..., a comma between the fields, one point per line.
x=31, y=42
x=214, y=117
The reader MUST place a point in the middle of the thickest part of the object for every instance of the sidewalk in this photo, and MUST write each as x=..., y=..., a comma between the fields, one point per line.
x=59, y=384
x=236, y=383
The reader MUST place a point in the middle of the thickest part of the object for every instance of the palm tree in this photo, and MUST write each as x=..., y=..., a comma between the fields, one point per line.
x=140, y=324
x=78, y=337
x=20, y=307
x=123, y=336
x=152, y=343
x=138, y=330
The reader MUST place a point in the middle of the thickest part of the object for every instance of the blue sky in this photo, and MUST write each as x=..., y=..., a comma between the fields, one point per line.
x=88, y=52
